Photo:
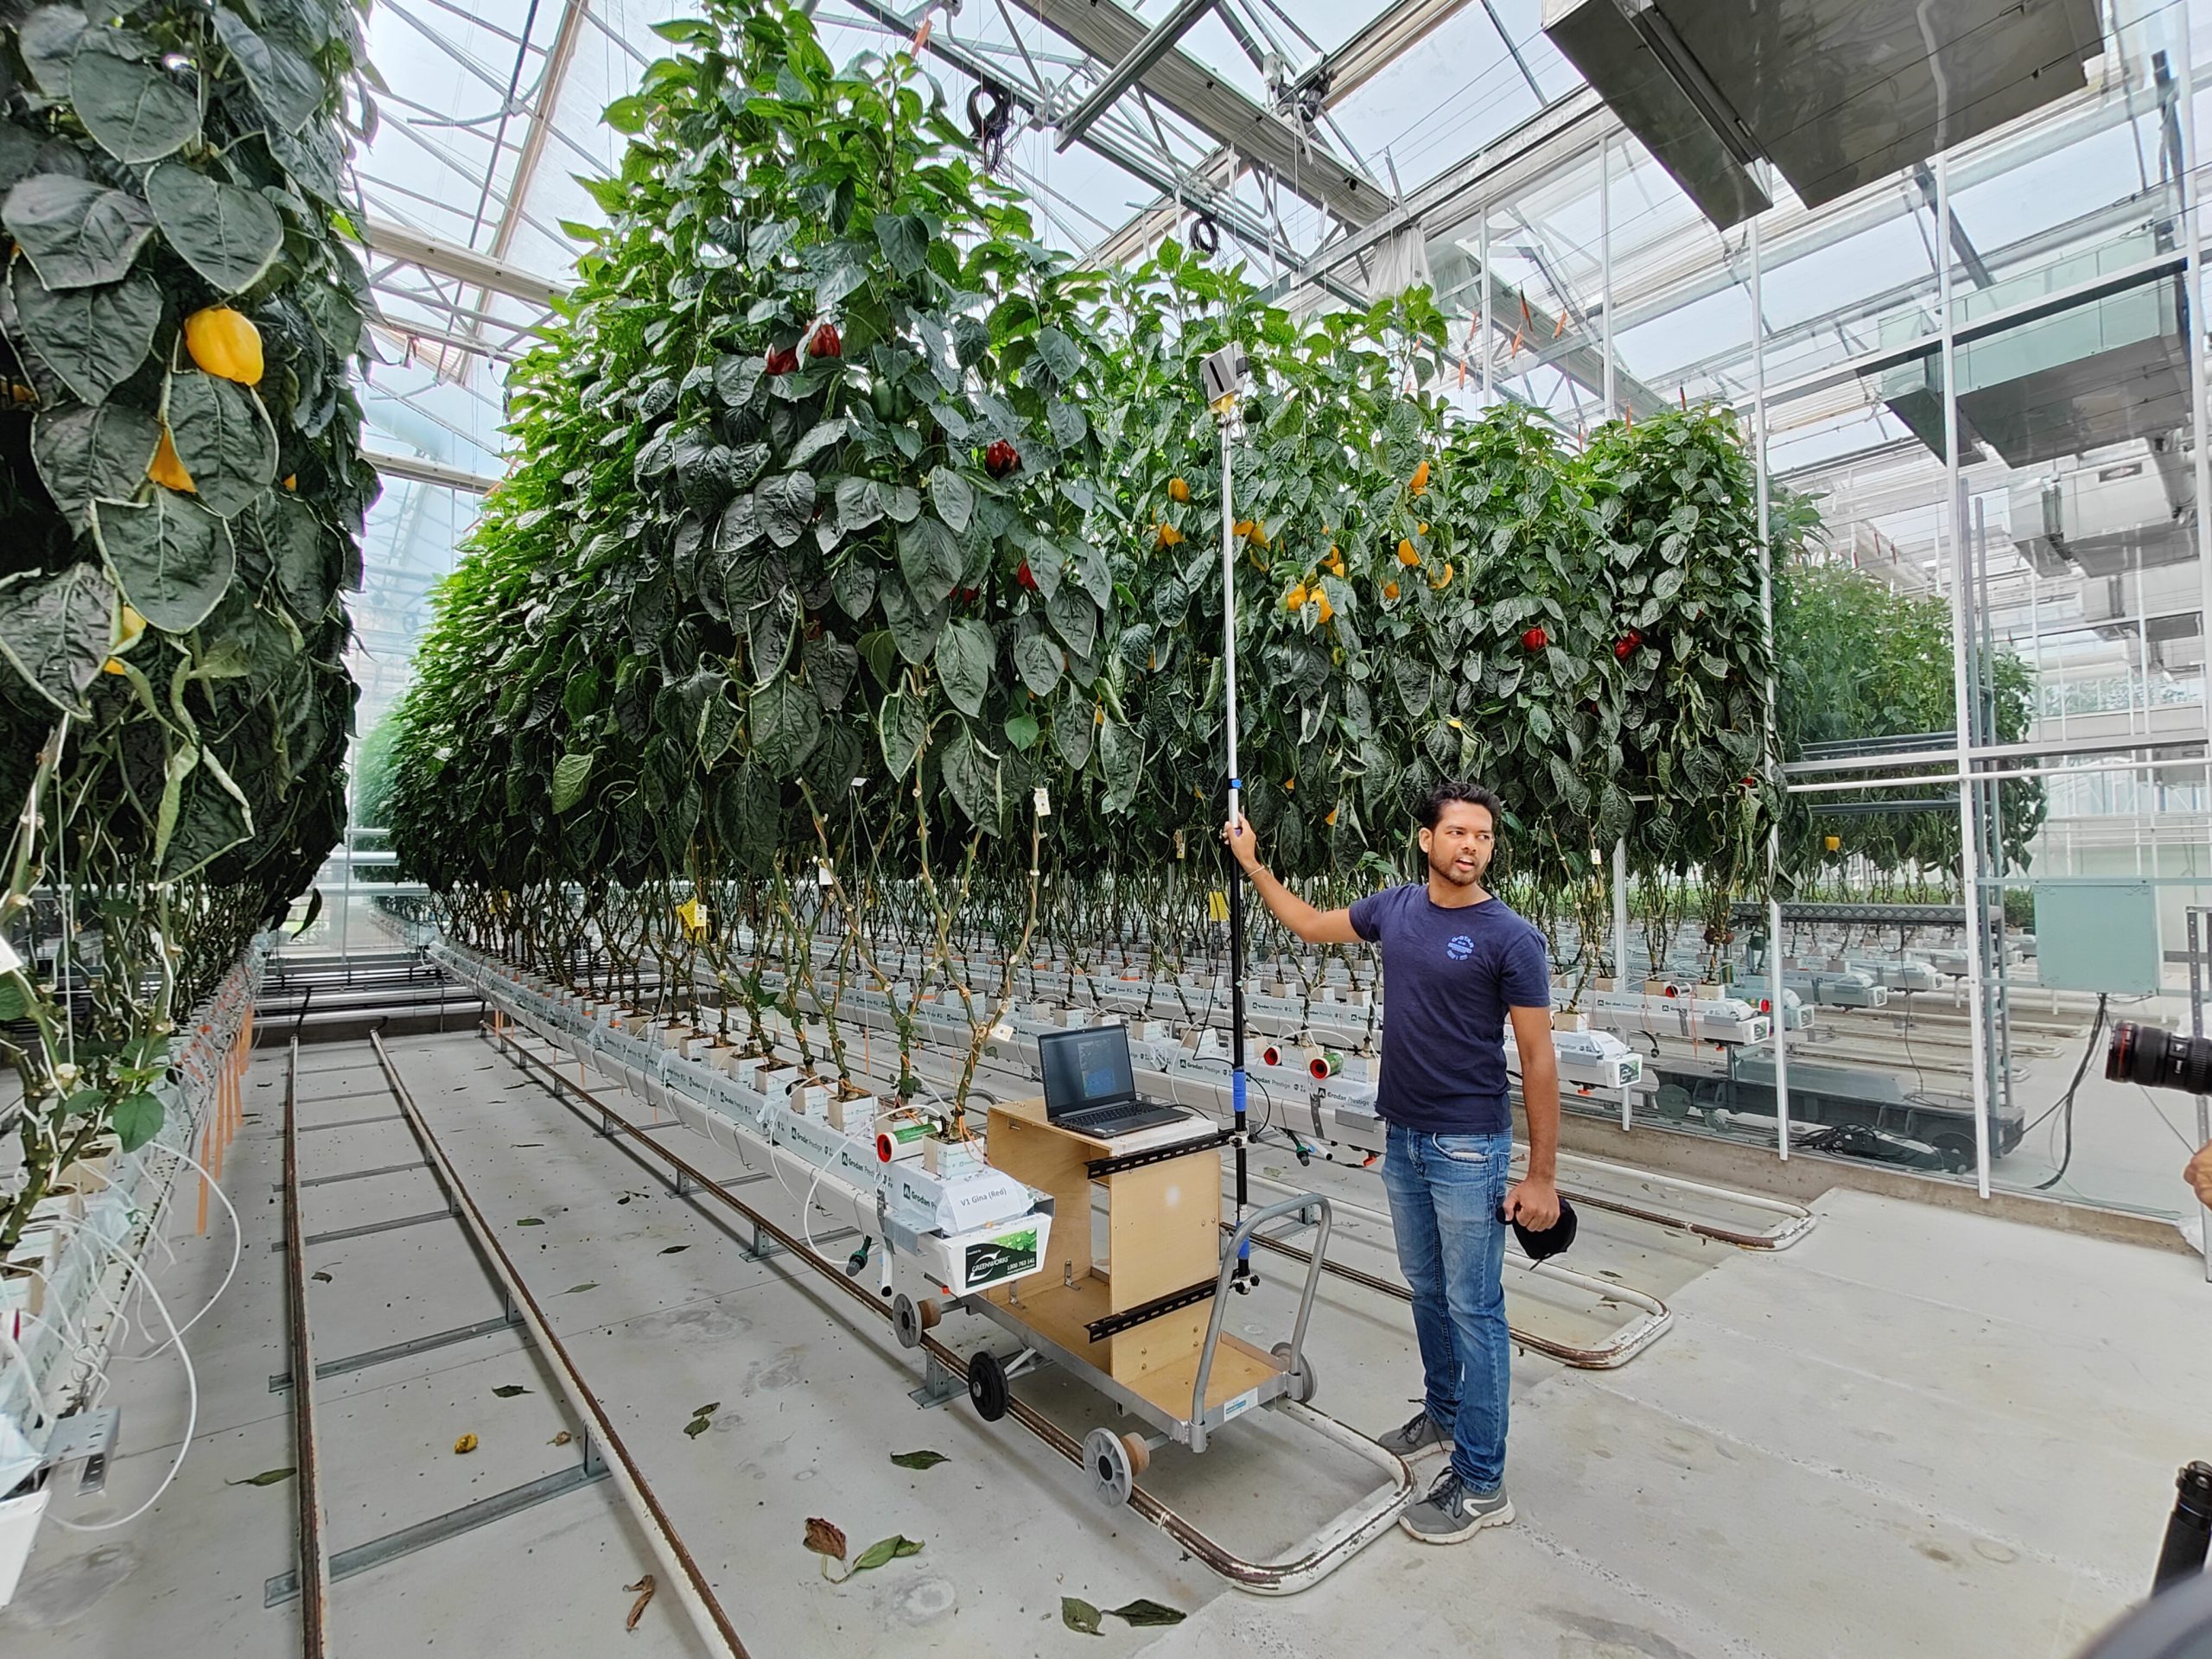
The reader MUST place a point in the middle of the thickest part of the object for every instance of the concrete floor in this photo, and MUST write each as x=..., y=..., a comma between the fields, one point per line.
x=1916, y=1432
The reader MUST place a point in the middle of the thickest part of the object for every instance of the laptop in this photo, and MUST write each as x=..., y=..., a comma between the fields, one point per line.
x=1090, y=1086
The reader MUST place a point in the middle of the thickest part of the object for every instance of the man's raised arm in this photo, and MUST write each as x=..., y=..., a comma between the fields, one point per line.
x=1312, y=925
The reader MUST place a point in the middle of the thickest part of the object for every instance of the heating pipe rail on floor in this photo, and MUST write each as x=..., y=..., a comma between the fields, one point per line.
x=313, y=1548
x=1331, y=1548
x=687, y=1580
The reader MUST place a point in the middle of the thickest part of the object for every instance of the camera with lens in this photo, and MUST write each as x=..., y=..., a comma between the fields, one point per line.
x=2160, y=1059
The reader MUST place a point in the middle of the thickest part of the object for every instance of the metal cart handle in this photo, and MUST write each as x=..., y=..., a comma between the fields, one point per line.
x=1298, y=1207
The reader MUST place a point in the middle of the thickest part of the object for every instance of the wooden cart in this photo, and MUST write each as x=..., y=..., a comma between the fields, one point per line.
x=1141, y=1321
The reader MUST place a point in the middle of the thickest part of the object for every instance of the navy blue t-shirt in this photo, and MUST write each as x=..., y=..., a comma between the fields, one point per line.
x=1448, y=977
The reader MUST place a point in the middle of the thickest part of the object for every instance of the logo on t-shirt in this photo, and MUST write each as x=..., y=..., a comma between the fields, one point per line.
x=1459, y=947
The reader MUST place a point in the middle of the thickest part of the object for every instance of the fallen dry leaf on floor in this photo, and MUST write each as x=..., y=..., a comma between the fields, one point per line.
x=266, y=1477
x=324, y=1277
x=465, y=1445
x=561, y=1439
x=643, y=1589
x=826, y=1541
x=1145, y=1611
x=509, y=1390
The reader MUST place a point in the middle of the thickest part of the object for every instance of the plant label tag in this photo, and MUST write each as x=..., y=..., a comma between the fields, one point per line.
x=823, y=875
x=1043, y=802
x=1217, y=906
x=1178, y=846
x=10, y=962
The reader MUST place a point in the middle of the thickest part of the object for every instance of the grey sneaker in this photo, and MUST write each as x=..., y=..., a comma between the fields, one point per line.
x=1451, y=1512
x=1424, y=1433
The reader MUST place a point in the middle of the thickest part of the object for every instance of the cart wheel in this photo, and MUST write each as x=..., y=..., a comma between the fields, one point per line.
x=906, y=1320
x=1106, y=1459
x=1140, y=1454
x=987, y=1386
x=1303, y=1380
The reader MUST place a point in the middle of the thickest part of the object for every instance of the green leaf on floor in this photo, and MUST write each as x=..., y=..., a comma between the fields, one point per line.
x=508, y=1390
x=266, y=1477
x=886, y=1549
x=1078, y=1615
x=919, y=1460
x=322, y=1276
x=697, y=1427
x=588, y=1284
x=1143, y=1611
x=673, y=1249
x=707, y=1410
x=529, y=1221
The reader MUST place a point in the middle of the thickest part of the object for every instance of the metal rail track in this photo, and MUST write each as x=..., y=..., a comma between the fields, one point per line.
x=314, y=1555
x=687, y=1579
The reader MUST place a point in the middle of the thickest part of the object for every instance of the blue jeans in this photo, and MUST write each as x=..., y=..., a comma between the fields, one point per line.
x=1445, y=1193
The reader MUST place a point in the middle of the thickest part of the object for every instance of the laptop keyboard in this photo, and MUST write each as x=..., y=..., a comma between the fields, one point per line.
x=1104, y=1122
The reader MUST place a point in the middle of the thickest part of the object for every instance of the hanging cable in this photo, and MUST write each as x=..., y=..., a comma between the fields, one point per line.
x=191, y=1416
x=2066, y=1100
x=990, y=120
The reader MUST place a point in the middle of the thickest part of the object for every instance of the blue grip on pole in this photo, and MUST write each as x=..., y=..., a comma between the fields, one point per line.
x=1237, y=1090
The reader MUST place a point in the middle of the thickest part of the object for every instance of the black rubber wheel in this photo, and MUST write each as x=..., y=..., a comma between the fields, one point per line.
x=987, y=1387
x=1957, y=1151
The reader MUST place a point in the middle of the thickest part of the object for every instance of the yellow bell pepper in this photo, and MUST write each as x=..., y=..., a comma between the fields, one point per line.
x=167, y=469
x=224, y=343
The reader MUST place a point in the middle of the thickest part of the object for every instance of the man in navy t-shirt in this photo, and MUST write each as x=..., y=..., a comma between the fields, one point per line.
x=1455, y=964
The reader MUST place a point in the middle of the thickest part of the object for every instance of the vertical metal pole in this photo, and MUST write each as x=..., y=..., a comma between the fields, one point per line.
x=2193, y=331
x=1961, y=688
x=346, y=904
x=1777, y=1032
x=1227, y=420
x=1620, y=933
x=2199, y=914
x=1489, y=345
x=1606, y=256
x=1998, y=1015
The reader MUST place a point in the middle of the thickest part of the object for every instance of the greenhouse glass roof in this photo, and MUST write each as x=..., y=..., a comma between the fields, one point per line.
x=1341, y=153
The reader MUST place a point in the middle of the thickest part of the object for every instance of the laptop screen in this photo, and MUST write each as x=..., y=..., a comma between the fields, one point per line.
x=1084, y=1068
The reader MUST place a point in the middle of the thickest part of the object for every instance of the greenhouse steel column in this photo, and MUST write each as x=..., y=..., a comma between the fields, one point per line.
x=1778, y=1026
x=1962, y=692
x=1605, y=257
x=2193, y=290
